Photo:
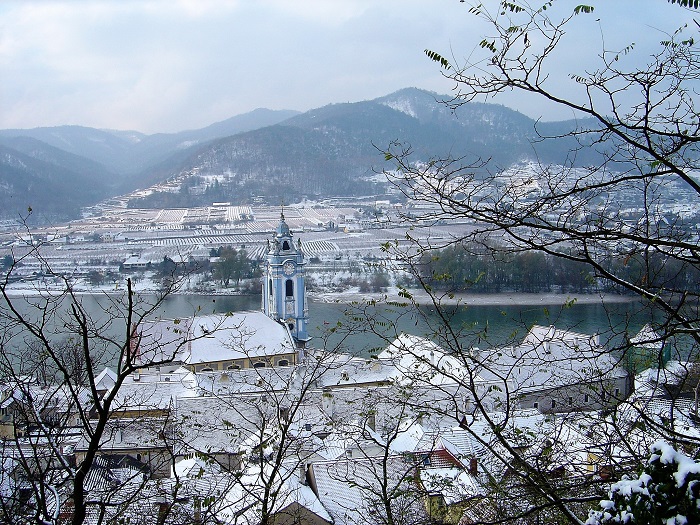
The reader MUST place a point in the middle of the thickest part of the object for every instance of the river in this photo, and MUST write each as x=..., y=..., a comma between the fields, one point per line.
x=483, y=325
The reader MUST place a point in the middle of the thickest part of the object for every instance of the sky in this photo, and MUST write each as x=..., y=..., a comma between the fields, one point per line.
x=171, y=65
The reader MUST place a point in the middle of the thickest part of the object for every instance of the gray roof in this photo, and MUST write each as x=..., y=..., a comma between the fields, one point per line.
x=550, y=358
x=350, y=489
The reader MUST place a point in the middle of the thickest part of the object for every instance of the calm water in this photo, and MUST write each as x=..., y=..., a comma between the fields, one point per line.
x=483, y=326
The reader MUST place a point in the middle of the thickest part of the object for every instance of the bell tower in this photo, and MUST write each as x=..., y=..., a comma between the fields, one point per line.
x=284, y=291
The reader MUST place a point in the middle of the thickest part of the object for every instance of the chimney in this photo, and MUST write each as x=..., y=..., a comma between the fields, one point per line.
x=302, y=473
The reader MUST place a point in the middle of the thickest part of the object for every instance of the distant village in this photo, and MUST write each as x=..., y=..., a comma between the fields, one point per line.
x=242, y=418
x=341, y=236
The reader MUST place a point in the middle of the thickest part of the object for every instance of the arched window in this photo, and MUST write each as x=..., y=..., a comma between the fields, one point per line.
x=233, y=367
x=289, y=288
x=291, y=327
x=259, y=364
x=269, y=287
x=285, y=245
x=283, y=362
x=206, y=369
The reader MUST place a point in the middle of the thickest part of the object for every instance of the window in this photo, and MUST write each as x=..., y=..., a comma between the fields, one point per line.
x=571, y=400
x=283, y=362
x=554, y=403
x=536, y=405
x=344, y=376
x=206, y=369
x=285, y=245
x=233, y=367
x=617, y=392
x=269, y=287
x=289, y=288
x=259, y=364
x=586, y=398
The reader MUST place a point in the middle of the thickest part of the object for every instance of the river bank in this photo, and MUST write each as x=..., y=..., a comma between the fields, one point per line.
x=348, y=296
x=421, y=297
x=352, y=295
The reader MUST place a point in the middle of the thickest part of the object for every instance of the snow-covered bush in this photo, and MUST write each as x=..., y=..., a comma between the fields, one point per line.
x=666, y=492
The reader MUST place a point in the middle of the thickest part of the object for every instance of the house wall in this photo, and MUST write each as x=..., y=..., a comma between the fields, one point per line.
x=239, y=364
x=581, y=396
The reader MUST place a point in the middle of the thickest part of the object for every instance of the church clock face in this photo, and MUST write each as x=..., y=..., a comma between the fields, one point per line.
x=288, y=268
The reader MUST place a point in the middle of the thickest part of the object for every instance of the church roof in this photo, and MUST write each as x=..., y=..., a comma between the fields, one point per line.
x=212, y=338
x=221, y=337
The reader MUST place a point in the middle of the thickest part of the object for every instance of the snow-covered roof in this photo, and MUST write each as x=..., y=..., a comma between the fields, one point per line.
x=245, y=495
x=105, y=379
x=239, y=335
x=646, y=338
x=215, y=337
x=414, y=356
x=550, y=358
x=453, y=484
x=130, y=434
x=350, y=489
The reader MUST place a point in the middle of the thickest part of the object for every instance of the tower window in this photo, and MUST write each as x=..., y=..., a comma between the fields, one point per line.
x=285, y=245
x=269, y=286
x=289, y=288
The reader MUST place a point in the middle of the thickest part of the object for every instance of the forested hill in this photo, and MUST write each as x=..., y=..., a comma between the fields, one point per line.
x=329, y=151
x=336, y=150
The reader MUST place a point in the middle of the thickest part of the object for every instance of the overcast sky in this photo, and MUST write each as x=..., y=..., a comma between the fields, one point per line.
x=169, y=65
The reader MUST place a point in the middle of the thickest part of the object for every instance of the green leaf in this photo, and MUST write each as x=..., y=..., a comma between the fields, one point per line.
x=491, y=46
x=432, y=55
x=584, y=9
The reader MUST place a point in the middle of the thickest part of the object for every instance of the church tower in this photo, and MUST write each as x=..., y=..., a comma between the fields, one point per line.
x=284, y=291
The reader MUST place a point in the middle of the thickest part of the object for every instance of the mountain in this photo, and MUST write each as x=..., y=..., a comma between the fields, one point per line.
x=336, y=150
x=129, y=152
x=51, y=182
x=59, y=169
x=282, y=156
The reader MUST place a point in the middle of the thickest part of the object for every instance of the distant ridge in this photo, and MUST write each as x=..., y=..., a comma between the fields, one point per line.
x=276, y=155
